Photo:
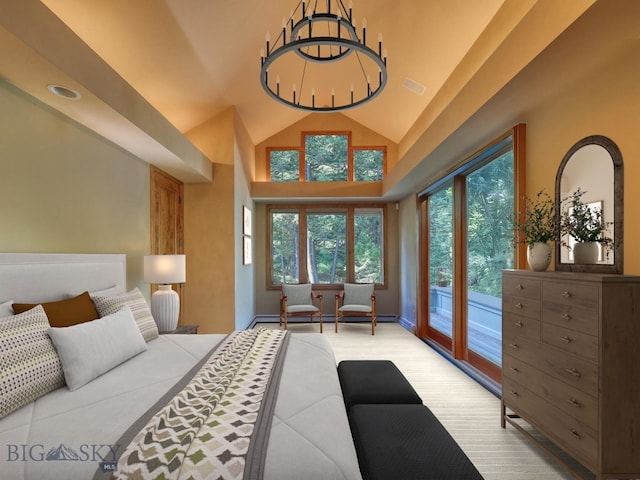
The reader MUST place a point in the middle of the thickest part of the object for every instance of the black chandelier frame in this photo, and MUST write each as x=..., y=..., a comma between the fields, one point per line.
x=305, y=47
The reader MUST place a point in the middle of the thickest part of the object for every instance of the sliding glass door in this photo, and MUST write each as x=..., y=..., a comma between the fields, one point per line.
x=440, y=234
x=466, y=242
x=489, y=192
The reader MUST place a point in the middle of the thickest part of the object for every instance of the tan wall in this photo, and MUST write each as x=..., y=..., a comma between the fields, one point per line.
x=604, y=102
x=244, y=278
x=209, y=232
x=63, y=189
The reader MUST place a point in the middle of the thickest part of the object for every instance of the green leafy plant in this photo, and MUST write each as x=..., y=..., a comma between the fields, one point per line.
x=583, y=222
x=538, y=222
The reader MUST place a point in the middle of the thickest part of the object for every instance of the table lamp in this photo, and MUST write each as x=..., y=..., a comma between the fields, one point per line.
x=164, y=270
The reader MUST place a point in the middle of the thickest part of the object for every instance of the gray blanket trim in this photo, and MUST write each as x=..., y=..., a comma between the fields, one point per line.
x=128, y=436
x=257, y=451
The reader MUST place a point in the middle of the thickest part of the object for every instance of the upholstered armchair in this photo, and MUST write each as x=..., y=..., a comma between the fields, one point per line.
x=298, y=300
x=357, y=300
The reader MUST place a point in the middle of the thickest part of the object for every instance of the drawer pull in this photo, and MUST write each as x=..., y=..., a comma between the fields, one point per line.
x=566, y=294
x=573, y=372
x=575, y=434
x=566, y=317
x=514, y=393
x=515, y=346
x=574, y=402
x=518, y=324
x=566, y=339
x=519, y=305
x=514, y=369
x=519, y=287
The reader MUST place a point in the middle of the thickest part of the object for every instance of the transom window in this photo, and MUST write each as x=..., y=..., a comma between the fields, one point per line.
x=326, y=157
x=326, y=245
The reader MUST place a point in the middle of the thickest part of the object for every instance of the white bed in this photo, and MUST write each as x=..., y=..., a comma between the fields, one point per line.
x=309, y=436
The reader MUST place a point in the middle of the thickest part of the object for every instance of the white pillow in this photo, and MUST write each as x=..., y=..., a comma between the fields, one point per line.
x=89, y=349
x=6, y=310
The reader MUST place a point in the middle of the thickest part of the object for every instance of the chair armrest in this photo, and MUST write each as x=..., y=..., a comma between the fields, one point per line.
x=316, y=295
x=340, y=294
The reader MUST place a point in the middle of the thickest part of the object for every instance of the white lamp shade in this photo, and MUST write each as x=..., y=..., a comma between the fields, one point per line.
x=165, y=269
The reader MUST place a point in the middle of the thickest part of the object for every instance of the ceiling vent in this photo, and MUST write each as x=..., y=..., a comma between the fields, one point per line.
x=413, y=86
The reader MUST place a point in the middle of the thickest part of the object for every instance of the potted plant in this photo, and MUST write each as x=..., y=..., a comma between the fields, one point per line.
x=584, y=224
x=536, y=226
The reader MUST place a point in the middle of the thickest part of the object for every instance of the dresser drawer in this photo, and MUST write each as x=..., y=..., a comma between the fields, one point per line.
x=515, y=286
x=584, y=320
x=524, y=307
x=573, y=402
x=571, y=295
x=518, y=326
x=571, y=341
x=571, y=369
x=573, y=435
x=522, y=348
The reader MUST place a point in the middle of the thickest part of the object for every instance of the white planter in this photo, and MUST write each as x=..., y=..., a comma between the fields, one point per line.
x=585, y=253
x=539, y=256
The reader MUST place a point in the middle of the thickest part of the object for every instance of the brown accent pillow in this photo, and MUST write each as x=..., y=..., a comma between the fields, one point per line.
x=65, y=313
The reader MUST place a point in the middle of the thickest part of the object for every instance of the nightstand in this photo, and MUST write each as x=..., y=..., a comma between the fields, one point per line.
x=183, y=329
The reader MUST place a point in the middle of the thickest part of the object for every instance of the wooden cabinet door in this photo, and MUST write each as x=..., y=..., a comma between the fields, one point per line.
x=167, y=220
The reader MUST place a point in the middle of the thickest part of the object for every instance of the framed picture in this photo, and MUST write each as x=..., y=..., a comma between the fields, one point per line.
x=246, y=250
x=246, y=221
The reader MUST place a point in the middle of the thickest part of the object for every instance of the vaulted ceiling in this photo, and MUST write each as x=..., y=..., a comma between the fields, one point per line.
x=192, y=59
x=149, y=71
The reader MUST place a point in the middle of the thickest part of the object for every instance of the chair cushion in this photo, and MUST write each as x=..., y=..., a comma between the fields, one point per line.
x=302, y=309
x=297, y=294
x=355, y=308
x=374, y=381
x=358, y=293
x=407, y=442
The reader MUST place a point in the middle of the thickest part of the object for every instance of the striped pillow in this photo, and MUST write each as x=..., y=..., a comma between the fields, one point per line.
x=29, y=362
x=138, y=306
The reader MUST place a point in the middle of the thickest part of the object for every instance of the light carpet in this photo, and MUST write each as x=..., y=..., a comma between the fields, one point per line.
x=467, y=410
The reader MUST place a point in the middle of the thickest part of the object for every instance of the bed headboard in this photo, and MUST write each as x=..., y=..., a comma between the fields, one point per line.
x=44, y=277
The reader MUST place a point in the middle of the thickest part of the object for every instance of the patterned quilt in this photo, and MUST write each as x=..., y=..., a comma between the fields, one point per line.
x=217, y=427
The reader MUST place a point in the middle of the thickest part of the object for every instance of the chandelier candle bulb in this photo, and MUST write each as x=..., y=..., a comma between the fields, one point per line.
x=268, y=40
x=278, y=85
x=380, y=44
x=313, y=97
x=284, y=31
x=333, y=98
x=364, y=31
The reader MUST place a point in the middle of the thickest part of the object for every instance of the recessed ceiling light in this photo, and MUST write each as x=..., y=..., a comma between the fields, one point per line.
x=64, y=92
x=414, y=86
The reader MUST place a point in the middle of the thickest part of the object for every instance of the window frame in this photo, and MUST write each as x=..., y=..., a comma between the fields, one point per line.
x=302, y=210
x=301, y=148
x=457, y=347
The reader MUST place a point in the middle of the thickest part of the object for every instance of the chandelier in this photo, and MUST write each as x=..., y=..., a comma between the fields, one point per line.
x=319, y=63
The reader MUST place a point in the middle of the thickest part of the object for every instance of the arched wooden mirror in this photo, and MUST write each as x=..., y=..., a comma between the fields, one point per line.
x=594, y=165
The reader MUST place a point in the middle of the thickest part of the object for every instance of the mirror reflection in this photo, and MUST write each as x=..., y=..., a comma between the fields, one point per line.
x=590, y=169
x=593, y=166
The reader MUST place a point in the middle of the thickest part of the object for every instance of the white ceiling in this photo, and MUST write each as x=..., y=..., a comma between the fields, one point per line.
x=193, y=59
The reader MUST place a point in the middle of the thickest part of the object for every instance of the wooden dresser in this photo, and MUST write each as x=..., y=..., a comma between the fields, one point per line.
x=571, y=364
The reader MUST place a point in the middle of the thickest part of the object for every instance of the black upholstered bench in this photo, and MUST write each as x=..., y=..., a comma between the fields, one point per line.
x=407, y=442
x=374, y=381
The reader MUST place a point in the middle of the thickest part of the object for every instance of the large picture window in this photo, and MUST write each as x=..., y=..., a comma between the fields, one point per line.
x=326, y=245
x=326, y=157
